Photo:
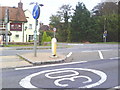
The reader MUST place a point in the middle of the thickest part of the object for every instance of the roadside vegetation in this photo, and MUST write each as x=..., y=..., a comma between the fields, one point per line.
x=82, y=25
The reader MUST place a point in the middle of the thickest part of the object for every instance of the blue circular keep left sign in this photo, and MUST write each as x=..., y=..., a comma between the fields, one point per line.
x=36, y=12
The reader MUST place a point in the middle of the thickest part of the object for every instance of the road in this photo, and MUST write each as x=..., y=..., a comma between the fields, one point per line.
x=73, y=48
x=91, y=74
x=89, y=66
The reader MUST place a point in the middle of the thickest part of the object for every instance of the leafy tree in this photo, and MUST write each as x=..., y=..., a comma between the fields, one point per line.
x=107, y=14
x=80, y=23
x=55, y=20
x=65, y=13
x=83, y=26
x=106, y=8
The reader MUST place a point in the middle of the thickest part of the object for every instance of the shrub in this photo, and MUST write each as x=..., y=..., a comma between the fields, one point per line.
x=45, y=38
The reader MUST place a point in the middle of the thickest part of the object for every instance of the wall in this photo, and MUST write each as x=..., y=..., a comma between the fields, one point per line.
x=29, y=31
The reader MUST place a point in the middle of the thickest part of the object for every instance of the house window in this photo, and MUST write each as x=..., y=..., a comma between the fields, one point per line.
x=30, y=38
x=17, y=36
x=30, y=26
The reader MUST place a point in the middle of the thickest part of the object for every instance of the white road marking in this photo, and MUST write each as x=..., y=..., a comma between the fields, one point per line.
x=90, y=51
x=57, y=82
x=117, y=87
x=24, y=68
x=100, y=54
x=69, y=54
x=75, y=44
x=26, y=82
x=97, y=50
x=115, y=58
x=74, y=73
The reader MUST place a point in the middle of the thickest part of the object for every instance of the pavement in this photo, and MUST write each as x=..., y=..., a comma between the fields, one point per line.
x=28, y=59
x=42, y=58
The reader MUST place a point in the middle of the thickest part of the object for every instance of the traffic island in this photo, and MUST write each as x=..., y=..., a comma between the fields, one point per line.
x=42, y=58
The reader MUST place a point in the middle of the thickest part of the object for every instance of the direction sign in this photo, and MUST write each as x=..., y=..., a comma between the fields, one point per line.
x=36, y=12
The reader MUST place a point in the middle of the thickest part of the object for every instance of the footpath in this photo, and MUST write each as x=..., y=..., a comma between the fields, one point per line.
x=28, y=59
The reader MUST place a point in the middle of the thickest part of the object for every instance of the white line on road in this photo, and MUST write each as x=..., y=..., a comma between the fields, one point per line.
x=115, y=58
x=114, y=88
x=75, y=44
x=117, y=87
x=49, y=65
x=69, y=54
x=100, y=54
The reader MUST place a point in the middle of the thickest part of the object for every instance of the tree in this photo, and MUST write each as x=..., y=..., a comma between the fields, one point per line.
x=65, y=13
x=80, y=23
x=106, y=8
x=107, y=14
x=55, y=19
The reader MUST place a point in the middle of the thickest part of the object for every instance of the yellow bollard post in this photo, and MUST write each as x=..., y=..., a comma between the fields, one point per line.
x=54, y=46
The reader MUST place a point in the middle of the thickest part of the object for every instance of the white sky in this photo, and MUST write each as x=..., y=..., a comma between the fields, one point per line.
x=50, y=6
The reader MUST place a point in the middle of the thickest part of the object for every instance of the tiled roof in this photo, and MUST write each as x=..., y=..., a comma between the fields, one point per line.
x=15, y=14
x=44, y=27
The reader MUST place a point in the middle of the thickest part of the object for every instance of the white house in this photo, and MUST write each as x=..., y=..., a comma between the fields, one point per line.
x=15, y=26
x=21, y=24
x=29, y=27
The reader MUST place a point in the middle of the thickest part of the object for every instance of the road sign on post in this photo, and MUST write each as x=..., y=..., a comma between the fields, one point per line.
x=104, y=35
x=36, y=14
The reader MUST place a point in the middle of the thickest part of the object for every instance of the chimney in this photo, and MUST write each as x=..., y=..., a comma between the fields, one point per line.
x=20, y=5
x=41, y=24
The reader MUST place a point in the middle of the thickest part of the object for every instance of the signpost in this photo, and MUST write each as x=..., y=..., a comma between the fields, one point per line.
x=54, y=29
x=6, y=20
x=104, y=35
x=36, y=14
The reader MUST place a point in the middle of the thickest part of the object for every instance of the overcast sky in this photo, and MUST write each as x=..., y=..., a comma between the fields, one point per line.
x=50, y=6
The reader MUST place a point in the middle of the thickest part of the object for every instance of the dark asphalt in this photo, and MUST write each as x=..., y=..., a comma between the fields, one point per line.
x=11, y=77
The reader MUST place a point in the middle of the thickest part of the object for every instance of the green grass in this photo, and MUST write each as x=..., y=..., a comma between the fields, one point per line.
x=24, y=45
x=63, y=42
x=16, y=45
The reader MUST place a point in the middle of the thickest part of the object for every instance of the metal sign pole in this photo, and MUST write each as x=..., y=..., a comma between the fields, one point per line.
x=6, y=22
x=54, y=29
x=35, y=39
x=36, y=14
x=6, y=34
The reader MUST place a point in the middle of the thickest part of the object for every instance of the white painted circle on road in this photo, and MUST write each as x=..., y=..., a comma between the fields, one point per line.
x=26, y=82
